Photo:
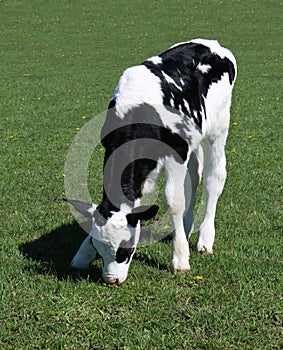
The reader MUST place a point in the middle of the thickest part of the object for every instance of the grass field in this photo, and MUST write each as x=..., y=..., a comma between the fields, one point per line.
x=60, y=61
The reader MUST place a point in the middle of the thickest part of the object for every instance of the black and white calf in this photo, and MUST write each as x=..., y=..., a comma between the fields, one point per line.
x=161, y=114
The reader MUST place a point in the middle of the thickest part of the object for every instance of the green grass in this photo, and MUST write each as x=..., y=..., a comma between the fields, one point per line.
x=60, y=61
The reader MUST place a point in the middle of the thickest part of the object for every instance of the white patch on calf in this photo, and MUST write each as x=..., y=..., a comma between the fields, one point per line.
x=139, y=86
x=217, y=104
x=204, y=68
x=155, y=59
x=171, y=81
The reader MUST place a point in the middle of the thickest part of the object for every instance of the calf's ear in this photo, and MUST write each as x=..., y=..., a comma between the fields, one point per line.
x=141, y=213
x=86, y=209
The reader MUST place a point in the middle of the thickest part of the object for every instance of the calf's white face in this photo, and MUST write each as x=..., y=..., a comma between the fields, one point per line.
x=116, y=243
x=115, y=239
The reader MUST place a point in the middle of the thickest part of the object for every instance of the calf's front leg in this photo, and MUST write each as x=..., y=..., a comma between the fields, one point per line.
x=85, y=255
x=175, y=200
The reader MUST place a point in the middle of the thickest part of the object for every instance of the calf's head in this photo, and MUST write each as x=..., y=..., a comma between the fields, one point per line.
x=116, y=238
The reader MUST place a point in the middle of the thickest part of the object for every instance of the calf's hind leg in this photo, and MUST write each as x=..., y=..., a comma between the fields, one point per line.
x=214, y=180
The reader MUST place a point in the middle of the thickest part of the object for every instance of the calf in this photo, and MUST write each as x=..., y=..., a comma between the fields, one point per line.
x=161, y=114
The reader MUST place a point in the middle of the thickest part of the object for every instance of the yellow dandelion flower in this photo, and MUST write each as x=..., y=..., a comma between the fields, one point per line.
x=198, y=278
x=101, y=149
x=84, y=117
x=11, y=137
x=63, y=174
x=235, y=123
x=78, y=129
x=166, y=227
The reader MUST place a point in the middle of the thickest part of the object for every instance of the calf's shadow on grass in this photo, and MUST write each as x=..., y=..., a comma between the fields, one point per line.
x=52, y=253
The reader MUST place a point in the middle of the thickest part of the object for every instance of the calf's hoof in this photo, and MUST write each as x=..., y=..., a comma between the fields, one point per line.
x=178, y=266
x=204, y=250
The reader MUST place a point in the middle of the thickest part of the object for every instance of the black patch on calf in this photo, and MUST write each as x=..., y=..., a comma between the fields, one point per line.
x=112, y=103
x=124, y=253
x=141, y=213
x=191, y=85
x=141, y=125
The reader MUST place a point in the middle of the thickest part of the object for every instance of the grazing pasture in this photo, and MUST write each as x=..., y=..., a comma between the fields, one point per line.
x=60, y=61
